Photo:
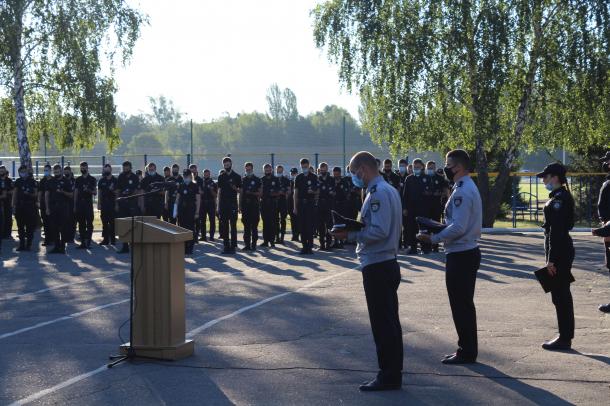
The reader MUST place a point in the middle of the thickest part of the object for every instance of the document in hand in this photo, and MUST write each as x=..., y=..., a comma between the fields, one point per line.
x=603, y=231
x=343, y=223
x=427, y=225
x=547, y=281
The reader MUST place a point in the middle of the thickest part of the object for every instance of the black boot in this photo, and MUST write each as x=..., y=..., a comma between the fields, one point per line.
x=124, y=249
x=21, y=246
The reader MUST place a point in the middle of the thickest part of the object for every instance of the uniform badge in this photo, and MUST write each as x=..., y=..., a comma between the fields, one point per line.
x=457, y=202
x=253, y=183
x=309, y=182
x=424, y=180
x=374, y=189
x=557, y=205
x=130, y=181
x=185, y=191
x=375, y=205
x=272, y=183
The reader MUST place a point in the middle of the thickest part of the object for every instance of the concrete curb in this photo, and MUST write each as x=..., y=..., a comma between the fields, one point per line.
x=505, y=230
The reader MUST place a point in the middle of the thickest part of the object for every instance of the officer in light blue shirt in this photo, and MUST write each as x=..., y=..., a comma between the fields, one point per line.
x=460, y=237
x=377, y=250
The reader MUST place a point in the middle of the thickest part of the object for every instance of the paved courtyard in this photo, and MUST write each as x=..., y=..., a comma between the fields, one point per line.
x=273, y=328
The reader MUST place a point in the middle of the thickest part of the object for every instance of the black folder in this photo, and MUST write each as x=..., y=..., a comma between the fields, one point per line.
x=343, y=223
x=547, y=281
x=603, y=231
x=427, y=225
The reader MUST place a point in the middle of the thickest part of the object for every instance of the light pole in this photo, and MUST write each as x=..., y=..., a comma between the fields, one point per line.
x=344, y=163
x=192, y=157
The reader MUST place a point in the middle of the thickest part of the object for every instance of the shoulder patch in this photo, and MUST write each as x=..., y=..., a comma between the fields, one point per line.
x=457, y=201
x=373, y=189
x=460, y=183
x=375, y=206
x=557, y=204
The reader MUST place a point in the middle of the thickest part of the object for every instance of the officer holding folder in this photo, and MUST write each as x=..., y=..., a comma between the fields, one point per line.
x=377, y=249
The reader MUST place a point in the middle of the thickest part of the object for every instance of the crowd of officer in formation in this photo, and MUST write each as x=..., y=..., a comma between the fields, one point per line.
x=62, y=203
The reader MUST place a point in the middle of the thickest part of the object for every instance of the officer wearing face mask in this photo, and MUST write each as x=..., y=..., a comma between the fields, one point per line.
x=172, y=192
x=69, y=175
x=84, y=190
x=6, y=209
x=209, y=191
x=152, y=204
x=187, y=207
x=229, y=187
x=326, y=186
x=128, y=185
x=42, y=188
x=106, y=204
x=603, y=210
x=269, y=206
x=341, y=191
x=58, y=198
x=167, y=173
x=282, y=203
x=438, y=191
x=24, y=206
x=402, y=172
x=249, y=206
x=413, y=205
x=305, y=190
x=463, y=214
x=198, y=180
x=294, y=220
x=355, y=197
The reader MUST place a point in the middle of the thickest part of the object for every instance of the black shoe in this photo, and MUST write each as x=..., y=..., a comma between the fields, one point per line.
x=104, y=242
x=203, y=239
x=376, y=385
x=294, y=238
x=303, y=251
x=253, y=247
x=212, y=239
x=604, y=308
x=124, y=250
x=272, y=245
x=558, y=344
x=412, y=251
x=112, y=242
x=21, y=247
x=58, y=250
x=246, y=248
x=265, y=244
x=82, y=246
x=458, y=359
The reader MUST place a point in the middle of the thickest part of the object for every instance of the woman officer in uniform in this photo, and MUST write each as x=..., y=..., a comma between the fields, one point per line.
x=559, y=251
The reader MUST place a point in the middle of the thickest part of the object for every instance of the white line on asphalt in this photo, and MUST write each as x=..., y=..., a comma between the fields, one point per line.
x=81, y=377
x=95, y=309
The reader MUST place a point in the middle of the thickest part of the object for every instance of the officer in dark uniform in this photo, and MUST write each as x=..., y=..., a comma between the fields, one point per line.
x=294, y=221
x=305, y=190
x=167, y=173
x=172, y=192
x=187, y=206
x=58, y=196
x=140, y=175
x=127, y=185
x=603, y=210
x=326, y=186
x=6, y=185
x=84, y=190
x=402, y=172
x=390, y=176
x=152, y=204
x=24, y=206
x=198, y=180
x=269, y=205
x=3, y=199
x=229, y=187
x=340, y=193
x=559, y=251
x=249, y=206
x=69, y=175
x=413, y=205
x=282, y=203
x=437, y=191
x=42, y=188
x=209, y=191
x=106, y=204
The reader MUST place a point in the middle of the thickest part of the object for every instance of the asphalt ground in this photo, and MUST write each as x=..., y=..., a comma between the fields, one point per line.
x=274, y=328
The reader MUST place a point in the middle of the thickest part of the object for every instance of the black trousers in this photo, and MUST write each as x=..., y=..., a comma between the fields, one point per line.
x=282, y=211
x=460, y=277
x=269, y=213
x=208, y=210
x=7, y=220
x=170, y=211
x=306, y=214
x=60, y=226
x=324, y=222
x=186, y=219
x=154, y=209
x=108, y=215
x=26, y=222
x=84, y=219
x=294, y=220
x=228, y=223
x=128, y=208
x=250, y=217
x=71, y=233
x=607, y=248
x=561, y=294
x=381, y=283
x=45, y=224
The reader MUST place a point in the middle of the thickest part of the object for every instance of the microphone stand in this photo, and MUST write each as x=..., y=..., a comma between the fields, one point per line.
x=131, y=352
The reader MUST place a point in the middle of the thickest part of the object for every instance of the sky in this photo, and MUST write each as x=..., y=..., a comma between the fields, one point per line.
x=213, y=57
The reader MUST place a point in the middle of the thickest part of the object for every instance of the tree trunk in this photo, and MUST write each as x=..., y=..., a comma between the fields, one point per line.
x=25, y=154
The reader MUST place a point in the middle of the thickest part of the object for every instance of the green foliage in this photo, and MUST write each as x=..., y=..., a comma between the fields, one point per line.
x=52, y=54
x=495, y=77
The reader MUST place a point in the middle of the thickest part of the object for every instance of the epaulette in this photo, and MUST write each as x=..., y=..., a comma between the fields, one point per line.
x=373, y=189
x=460, y=183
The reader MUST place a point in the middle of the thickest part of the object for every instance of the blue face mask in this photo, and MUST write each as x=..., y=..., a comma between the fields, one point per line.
x=305, y=170
x=416, y=172
x=550, y=187
x=358, y=182
x=403, y=170
x=430, y=172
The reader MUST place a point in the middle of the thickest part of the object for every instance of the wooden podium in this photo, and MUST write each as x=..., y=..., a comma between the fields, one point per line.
x=159, y=324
